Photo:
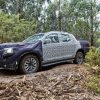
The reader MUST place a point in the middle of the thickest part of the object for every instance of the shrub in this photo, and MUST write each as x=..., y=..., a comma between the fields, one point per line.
x=13, y=29
x=98, y=42
x=93, y=83
x=93, y=61
x=93, y=57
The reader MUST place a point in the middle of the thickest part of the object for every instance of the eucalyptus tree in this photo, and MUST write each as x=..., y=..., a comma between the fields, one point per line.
x=2, y=4
x=84, y=11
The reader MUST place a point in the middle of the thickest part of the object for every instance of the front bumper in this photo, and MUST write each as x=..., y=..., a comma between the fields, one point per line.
x=8, y=62
x=11, y=66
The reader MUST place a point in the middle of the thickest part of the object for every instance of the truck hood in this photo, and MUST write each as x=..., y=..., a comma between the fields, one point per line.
x=18, y=44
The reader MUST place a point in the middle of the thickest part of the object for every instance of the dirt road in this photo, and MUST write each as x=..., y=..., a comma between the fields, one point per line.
x=59, y=82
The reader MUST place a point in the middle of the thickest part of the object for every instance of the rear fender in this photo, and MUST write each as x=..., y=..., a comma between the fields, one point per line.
x=84, y=45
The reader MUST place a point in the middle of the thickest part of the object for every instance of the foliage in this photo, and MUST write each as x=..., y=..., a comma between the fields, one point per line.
x=93, y=62
x=93, y=84
x=98, y=42
x=98, y=39
x=75, y=16
x=11, y=29
x=93, y=57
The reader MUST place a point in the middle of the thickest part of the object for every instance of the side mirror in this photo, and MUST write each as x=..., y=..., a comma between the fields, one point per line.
x=47, y=41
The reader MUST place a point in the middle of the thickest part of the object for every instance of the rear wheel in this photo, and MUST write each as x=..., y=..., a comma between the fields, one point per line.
x=29, y=64
x=79, y=58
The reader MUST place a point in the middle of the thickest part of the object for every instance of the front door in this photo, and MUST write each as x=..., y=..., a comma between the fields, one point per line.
x=51, y=47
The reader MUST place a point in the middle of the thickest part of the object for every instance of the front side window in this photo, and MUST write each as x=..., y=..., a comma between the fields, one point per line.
x=65, y=38
x=53, y=38
x=34, y=38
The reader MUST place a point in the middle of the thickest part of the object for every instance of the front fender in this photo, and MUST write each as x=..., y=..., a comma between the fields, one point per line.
x=36, y=51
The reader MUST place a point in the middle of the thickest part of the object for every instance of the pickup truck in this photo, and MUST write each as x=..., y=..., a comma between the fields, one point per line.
x=42, y=49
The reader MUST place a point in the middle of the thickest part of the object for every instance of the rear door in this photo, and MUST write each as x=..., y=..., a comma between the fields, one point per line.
x=67, y=46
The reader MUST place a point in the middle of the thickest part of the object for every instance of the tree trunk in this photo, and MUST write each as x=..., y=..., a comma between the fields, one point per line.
x=19, y=8
x=91, y=20
x=59, y=18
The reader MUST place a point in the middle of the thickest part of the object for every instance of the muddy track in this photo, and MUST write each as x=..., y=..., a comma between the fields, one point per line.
x=58, y=82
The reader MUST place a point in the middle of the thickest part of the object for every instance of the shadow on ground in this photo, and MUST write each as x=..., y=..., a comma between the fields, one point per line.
x=12, y=73
x=53, y=66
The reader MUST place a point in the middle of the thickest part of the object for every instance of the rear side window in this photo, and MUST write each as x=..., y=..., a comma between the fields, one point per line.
x=65, y=38
x=53, y=38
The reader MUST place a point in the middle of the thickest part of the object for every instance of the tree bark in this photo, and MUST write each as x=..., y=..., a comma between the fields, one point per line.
x=59, y=18
x=91, y=20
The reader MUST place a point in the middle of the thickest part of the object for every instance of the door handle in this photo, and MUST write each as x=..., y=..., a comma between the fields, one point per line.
x=59, y=46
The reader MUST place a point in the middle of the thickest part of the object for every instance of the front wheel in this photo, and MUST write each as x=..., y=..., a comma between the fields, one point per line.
x=79, y=58
x=29, y=64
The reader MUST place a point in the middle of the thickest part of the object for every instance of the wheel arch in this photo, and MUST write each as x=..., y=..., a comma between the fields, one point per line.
x=29, y=53
x=75, y=59
x=81, y=50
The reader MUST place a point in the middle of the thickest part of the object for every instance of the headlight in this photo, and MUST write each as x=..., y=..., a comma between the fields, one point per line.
x=8, y=50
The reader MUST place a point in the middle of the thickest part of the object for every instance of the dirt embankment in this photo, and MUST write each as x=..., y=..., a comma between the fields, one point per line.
x=61, y=82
